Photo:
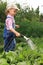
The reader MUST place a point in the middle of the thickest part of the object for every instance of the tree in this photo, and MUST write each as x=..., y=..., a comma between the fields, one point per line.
x=37, y=13
x=2, y=11
x=41, y=18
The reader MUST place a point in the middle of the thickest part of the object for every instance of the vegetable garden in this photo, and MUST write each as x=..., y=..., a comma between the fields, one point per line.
x=30, y=26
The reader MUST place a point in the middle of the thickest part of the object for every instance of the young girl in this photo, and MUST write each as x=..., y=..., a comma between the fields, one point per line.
x=9, y=29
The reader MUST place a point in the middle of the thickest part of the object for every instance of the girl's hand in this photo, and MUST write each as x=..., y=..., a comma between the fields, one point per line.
x=17, y=26
x=18, y=34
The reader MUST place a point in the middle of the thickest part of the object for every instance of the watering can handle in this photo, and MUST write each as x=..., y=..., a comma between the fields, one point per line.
x=22, y=35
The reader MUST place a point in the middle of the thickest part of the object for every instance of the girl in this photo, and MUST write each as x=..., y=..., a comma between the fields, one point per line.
x=9, y=29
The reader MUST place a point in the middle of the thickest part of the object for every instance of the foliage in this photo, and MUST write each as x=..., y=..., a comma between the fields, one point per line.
x=22, y=55
x=28, y=28
x=2, y=11
x=3, y=61
x=41, y=18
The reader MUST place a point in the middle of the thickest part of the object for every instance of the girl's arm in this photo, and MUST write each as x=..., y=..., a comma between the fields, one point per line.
x=15, y=32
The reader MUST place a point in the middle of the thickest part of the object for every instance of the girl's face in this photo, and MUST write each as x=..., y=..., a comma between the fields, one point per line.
x=13, y=12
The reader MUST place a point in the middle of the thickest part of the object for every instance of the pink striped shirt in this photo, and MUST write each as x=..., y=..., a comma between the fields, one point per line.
x=9, y=22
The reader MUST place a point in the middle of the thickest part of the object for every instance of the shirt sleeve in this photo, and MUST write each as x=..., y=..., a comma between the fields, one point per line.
x=9, y=24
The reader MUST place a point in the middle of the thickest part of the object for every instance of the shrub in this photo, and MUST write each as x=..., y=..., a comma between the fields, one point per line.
x=31, y=28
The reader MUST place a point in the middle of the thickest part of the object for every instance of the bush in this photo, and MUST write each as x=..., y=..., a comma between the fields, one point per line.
x=32, y=28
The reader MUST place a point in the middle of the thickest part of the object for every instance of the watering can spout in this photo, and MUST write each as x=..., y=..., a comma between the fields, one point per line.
x=30, y=42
